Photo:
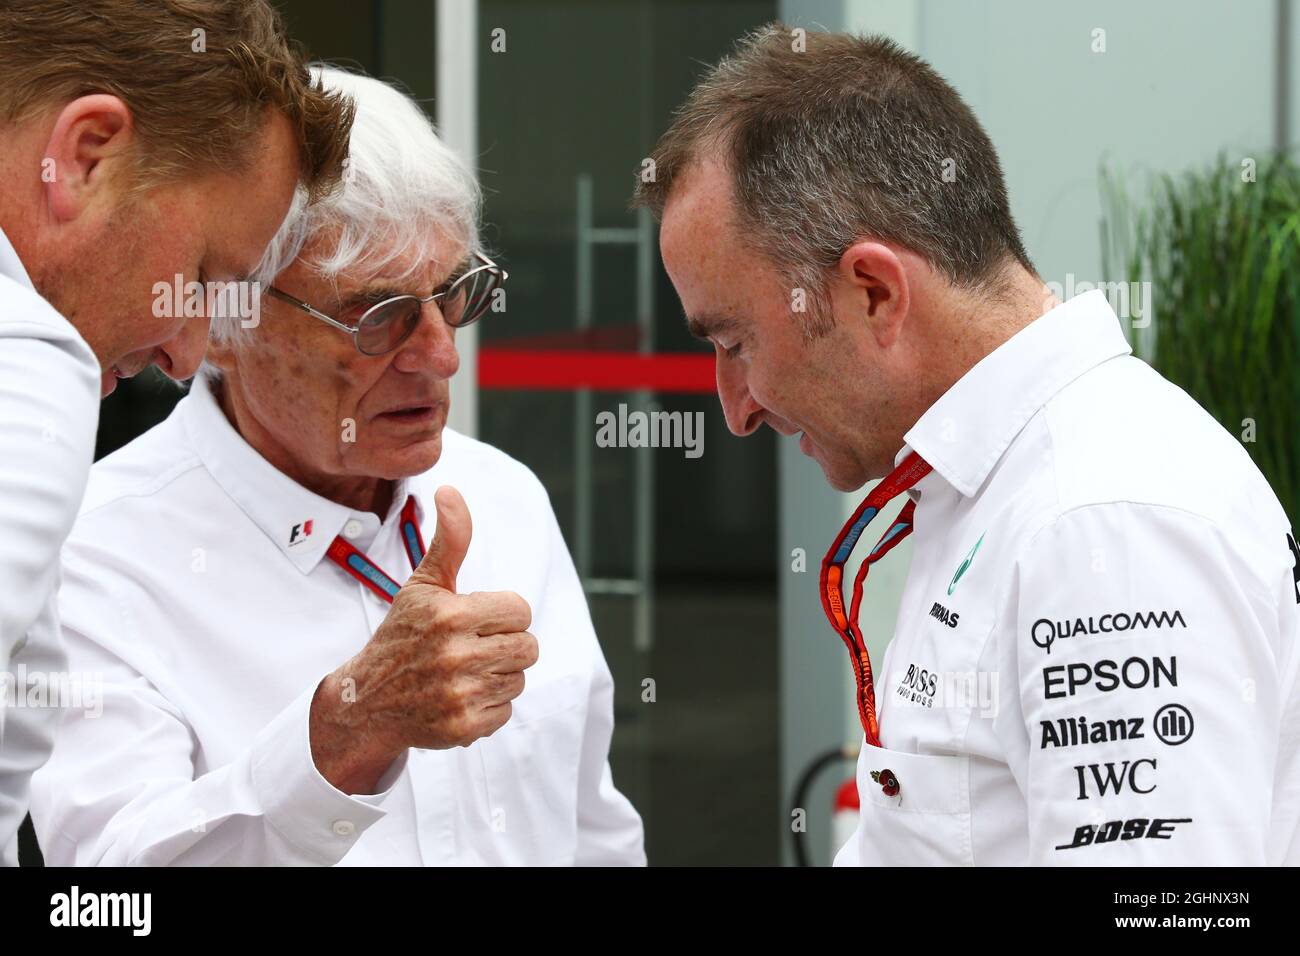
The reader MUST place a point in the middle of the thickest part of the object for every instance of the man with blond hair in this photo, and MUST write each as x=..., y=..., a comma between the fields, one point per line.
x=140, y=143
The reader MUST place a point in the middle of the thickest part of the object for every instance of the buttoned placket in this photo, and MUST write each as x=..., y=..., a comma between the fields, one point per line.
x=428, y=772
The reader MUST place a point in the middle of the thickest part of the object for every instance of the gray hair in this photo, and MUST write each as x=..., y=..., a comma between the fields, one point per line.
x=403, y=192
x=837, y=139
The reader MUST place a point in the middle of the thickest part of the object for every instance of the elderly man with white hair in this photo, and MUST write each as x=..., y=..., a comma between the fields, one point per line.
x=235, y=578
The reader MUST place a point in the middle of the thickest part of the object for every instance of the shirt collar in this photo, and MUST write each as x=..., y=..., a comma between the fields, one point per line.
x=966, y=432
x=11, y=265
x=300, y=522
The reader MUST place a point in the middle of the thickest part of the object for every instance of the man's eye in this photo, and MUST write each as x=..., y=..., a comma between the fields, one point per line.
x=357, y=306
x=451, y=281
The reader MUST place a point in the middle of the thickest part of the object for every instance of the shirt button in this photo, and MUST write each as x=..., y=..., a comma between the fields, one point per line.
x=344, y=828
x=352, y=529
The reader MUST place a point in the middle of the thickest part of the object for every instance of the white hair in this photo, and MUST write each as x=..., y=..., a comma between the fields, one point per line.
x=404, y=192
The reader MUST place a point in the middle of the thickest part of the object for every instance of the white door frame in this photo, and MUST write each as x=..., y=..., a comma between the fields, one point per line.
x=457, y=118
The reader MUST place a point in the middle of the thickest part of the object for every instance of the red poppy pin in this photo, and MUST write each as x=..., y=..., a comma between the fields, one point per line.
x=888, y=782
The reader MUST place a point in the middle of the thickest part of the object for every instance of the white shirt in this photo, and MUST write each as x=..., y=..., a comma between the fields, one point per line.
x=49, y=410
x=1095, y=659
x=195, y=585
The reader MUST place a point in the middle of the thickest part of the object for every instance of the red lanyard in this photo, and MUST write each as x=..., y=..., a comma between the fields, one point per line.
x=912, y=470
x=358, y=564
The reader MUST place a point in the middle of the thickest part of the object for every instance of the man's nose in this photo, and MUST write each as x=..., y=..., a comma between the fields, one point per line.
x=742, y=413
x=432, y=346
x=179, y=357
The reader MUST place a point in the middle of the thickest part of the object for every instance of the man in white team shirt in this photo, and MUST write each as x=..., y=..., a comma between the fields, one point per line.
x=232, y=571
x=1096, y=653
x=127, y=158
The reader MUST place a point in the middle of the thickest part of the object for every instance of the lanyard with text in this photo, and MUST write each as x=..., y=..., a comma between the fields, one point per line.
x=356, y=563
x=912, y=470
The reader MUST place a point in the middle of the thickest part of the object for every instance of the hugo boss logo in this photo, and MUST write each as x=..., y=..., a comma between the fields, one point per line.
x=919, y=685
x=1046, y=632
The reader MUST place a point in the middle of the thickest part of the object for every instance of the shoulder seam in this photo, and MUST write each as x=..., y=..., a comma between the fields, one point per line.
x=1057, y=515
x=191, y=462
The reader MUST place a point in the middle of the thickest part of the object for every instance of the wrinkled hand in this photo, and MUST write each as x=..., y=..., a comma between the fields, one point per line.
x=440, y=671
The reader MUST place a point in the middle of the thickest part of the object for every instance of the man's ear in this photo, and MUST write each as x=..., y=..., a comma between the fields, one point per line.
x=87, y=154
x=874, y=279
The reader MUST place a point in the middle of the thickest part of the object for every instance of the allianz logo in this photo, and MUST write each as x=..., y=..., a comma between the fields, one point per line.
x=1047, y=632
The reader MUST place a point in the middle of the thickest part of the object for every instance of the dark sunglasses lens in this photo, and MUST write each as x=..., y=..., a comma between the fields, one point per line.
x=387, y=325
x=470, y=298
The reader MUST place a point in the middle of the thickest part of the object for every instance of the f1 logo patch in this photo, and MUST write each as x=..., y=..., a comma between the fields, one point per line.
x=300, y=533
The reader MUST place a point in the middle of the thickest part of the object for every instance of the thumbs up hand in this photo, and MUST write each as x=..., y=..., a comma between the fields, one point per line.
x=446, y=554
x=440, y=671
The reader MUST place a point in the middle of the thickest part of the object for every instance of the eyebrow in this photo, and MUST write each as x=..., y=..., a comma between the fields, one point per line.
x=378, y=293
x=370, y=295
x=708, y=324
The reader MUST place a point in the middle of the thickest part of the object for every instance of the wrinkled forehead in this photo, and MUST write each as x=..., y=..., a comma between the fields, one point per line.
x=702, y=252
x=420, y=268
x=699, y=215
x=418, y=260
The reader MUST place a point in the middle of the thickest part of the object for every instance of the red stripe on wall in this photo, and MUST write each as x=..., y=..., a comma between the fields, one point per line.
x=604, y=371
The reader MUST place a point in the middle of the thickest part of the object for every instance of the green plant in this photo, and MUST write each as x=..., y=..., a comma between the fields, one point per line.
x=1221, y=249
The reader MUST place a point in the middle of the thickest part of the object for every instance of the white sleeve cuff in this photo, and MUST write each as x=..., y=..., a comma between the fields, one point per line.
x=300, y=804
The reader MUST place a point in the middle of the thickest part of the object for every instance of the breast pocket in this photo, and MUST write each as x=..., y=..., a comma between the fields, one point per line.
x=531, y=767
x=915, y=811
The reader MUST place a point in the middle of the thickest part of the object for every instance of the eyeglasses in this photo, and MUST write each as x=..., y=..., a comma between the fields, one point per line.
x=385, y=325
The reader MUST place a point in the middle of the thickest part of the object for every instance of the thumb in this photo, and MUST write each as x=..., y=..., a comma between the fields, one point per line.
x=450, y=539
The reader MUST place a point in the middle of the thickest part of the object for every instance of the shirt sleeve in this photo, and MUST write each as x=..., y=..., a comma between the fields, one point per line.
x=609, y=829
x=1148, y=693
x=49, y=408
x=34, y=695
x=268, y=807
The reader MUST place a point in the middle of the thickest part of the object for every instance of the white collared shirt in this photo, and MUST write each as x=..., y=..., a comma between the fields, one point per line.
x=49, y=409
x=197, y=584
x=1096, y=654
